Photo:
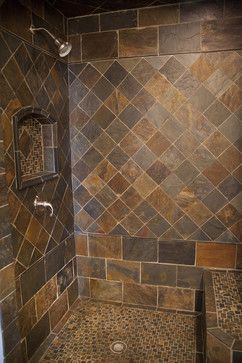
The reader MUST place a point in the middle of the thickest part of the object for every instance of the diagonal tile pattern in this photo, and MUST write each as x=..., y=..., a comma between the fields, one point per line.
x=172, y=145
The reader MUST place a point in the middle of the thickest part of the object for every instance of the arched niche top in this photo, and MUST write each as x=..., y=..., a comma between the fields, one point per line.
x=35, y=146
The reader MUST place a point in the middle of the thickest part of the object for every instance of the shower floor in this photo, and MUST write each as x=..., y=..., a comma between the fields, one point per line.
x=150, y=336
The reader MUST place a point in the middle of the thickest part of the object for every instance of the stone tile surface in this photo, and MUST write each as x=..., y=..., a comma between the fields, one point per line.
x=152, y=336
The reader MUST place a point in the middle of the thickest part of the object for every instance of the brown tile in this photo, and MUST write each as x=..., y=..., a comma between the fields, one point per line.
x=139, y=249
x=90, y=267
x=32, y=280
x=158, y=172
x=123, y=271
x=131, y=197
x=158, y=143
x=83, y=25
x=143, y=71
x=45, y=297
x=105, y=246
x=143, y=101
x=99, y=45
x=130, y=144
x=81, y=244
x=58, y=310
x=106, y=290
x=103, y=117
x=229, y=215
x=215, y=173
x=104, y=144
x=27, y=317
x=144, y=211
x=144, y=185
x=190, y=277
x=216, y=143
x=216, y=255
x=207, y=10
x=7, y=281
x=159, y=15
x=117, y=130
x=106, y=222
x=117, y=157
x=116, y=102
x=138, y=42
x=131, y=171
x=215, y=345
x=83, y=286
x=177, y=252
x=105, y=170
x=172, y=69
x=158, y=274
x=118, y=20
x=37, y=335
x=129, y=87
x=176, y=298
x=217, y=113
x=179, y=38
x=118, y=184
x=131, y=224
x=118, y=210
x=239, y=257
x=232, y=98
x=140, y=294
x=223, y=34
x=230, y=158
x=76, y=51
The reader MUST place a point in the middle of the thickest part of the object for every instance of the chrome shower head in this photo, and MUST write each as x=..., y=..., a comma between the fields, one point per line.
x=63, y=47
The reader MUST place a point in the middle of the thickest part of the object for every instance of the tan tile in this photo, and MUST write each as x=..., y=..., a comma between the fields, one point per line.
x=217, y=143
x=216, y=255
x=138, y=42
x=157, y=86
x=106, y=222
x=176, y=298
x=131, y=171
x=144, y=185
x=216, y=172
x=106, y=290
x=202, y=68
x=105, y=170
x=130, y=144
x=158, y=143
x=131, y=197
x=144, y=129
x=127, y=271
x=93, y=184
x=140, y=294
x=131, y=223
x=105, y=246
x=81, y=244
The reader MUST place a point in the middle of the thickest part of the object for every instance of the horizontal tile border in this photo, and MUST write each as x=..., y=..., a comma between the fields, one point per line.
x=135, y=32
x=166, y=14
x=143, y=250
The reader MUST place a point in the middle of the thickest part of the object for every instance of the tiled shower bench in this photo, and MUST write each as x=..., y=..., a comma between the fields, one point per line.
x=223, y=316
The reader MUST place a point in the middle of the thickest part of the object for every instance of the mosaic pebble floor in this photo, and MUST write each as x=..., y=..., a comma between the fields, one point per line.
x=151, y=336
x=228, y=296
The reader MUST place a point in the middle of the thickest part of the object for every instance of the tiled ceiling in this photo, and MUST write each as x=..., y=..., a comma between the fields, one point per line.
x=71, y=8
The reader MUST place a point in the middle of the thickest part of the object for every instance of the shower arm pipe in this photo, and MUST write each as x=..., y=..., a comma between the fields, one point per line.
x=33, y=29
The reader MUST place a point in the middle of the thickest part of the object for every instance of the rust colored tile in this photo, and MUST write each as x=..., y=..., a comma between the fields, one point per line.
x=225, y=34
x=131, y=197
x=106, y=222
x=138, y=42
x=106, y=290
x=118, y=210
x=144, y=129
x=232, y=98
x=216, y=255
x=215, y=173
x=229, y=215
x=102, y=45
x=159, y=15
x=230, y=158
x=203, y=67
x=45, y=297
x=157, y=86
x=158, y=171
x=105, y=170
x=58, y=310
x=105, y=246
x=93, y=183
x=217, y=143
x=116, y=102
x=123, y=271
x=239, y=257
x=118, y=184
x=140, y=294
x=236, y=229
x=176, y=298
x=199, y=213
x=81, y=244
x=131, y=171
x=130, y=144
x=158, y=143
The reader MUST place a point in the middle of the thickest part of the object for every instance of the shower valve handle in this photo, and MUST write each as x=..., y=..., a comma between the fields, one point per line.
x=38, y=203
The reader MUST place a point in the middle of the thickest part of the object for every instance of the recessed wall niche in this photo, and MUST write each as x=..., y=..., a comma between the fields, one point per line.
x=35, y=142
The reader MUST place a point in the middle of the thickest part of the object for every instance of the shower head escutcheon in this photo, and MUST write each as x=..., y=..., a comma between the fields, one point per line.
x=63, y=47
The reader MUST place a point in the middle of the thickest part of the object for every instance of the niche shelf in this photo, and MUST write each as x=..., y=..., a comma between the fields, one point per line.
x=35, y=147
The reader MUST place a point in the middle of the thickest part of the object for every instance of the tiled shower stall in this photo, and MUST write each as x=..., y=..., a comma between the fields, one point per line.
x=135, y=139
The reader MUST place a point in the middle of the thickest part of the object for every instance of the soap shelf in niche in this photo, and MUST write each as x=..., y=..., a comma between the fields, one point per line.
x=35, y=143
